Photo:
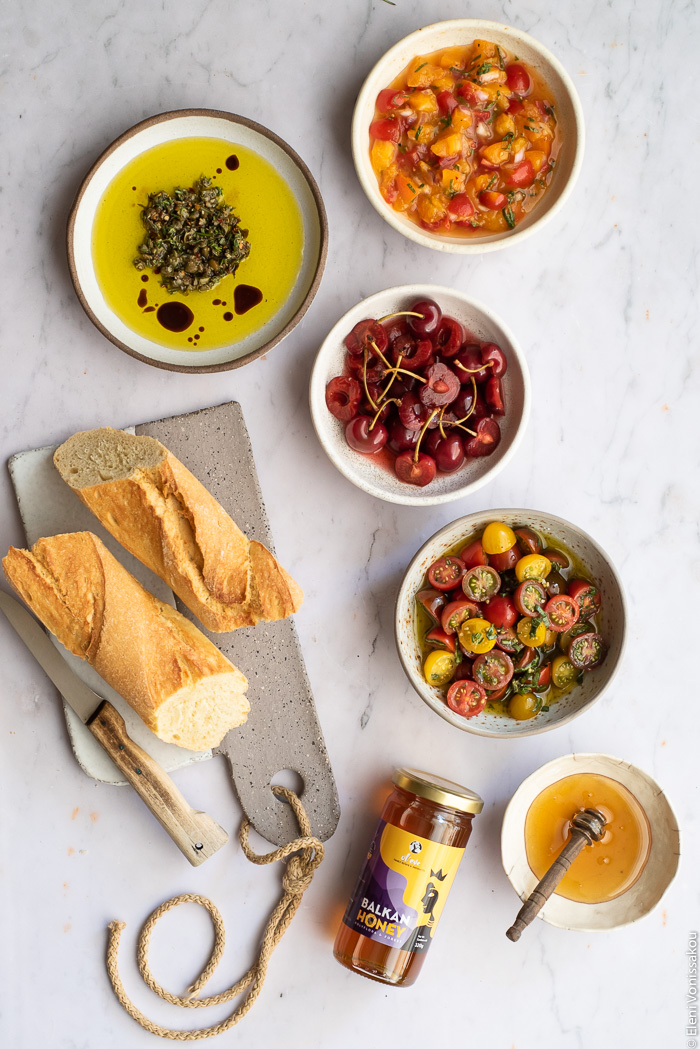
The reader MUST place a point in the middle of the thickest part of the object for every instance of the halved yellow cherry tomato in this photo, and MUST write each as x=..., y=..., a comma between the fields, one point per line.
x=524, y=705
x=498, y=538
x=564, y=673
x=533, y=566
x=530, y=633
x=477, y=635
x=439, y=668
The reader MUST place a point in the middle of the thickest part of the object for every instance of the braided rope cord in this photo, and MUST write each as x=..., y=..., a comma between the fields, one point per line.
x=306, y=853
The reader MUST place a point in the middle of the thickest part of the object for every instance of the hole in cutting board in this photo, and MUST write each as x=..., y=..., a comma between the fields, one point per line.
x=290, y=779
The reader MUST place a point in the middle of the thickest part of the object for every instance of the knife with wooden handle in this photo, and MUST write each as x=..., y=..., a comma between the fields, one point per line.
x=195, y=833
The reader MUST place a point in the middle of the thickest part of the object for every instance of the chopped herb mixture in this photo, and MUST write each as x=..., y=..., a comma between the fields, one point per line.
x=193, y=239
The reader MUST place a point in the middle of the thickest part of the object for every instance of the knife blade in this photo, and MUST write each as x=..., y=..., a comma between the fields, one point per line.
x=195, y=833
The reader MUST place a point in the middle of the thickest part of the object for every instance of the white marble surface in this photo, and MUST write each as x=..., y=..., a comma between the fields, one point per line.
x=604, y=302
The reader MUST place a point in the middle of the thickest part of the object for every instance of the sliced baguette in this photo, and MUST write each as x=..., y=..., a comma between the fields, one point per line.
x=161, y=513
x=176, y=680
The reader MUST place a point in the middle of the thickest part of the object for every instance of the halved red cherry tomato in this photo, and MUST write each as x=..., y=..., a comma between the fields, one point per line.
x=433, y=602
x=508, y=640
x=493, y=200
x=563, y=612
x=501, y=611
x=528, y=540
x=587, y=650
x=467, y=698
x=456, y=613
x=439, y=639
x=557, y=557
x=446, y=572
x=527, y=658
x=530, y=597
x=586, y=596
x=543, y=678
x=522, y=175
x=518, y=78
x=555, y=583
x=481, y=582
x=500, y=694
x=508, y=559
x=473, y=554
x=493, y=670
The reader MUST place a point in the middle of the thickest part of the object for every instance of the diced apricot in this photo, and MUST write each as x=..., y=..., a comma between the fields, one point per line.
x=495, y=221
x=424, y=74
x=422, y=133
x=453, y=181
x=519, y=144
x=484, y=51
x=408, y=188
x=382, y=155
x=495, y=154
x=504, y=125
x=481, y=182
x=423, y=102
x=454, y=57
x=431, y=209
x=448, y=145
x=537, y=157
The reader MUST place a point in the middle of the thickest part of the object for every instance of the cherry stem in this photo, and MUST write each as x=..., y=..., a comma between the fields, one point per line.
x=473, y=371
x=379, y=353
x=420, y=436
x=442, y=412
x=466, y=429
x=401, y=313
x=405, y=371
x=388, y=386
x=364, y=380
x=471, y=410
x=392, y=400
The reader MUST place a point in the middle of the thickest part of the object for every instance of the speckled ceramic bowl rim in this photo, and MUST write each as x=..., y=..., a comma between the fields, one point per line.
x=318, y=403
x=577, y=760
x=474, y=246
x=527, y=728
x=322, y=253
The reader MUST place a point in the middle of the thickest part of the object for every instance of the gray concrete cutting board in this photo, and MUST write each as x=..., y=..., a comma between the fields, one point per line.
x=282, y=731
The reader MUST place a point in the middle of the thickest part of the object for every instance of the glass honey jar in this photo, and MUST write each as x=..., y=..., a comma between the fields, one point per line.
x=411, y=864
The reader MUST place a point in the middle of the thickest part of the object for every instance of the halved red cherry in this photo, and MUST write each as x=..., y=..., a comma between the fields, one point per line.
x=586, y=596
x=493, y=394
x=494, y=356
x=374, y=369
x=441, y=386
x=419, y=471
x=488, y=437
x=447, y=572
x=363, y=439
x=433, y=601
x=530, y=597
x=481, y=582
x=429, y=317
x=501, y=611
x=493, y=669
x=363, y=335
x=343, y=396
x=414, y=353
x=449, y=337
x=467, y=698
x=455, y=613
x=563, y=612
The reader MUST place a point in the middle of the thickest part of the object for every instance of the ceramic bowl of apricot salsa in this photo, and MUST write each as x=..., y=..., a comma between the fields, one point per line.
x=467, y=136
x=510, y=622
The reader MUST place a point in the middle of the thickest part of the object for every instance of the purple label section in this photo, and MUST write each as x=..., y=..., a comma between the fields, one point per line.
x=377, y=908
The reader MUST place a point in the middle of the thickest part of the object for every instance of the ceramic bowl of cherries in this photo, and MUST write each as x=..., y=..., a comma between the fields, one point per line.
x=420, y=395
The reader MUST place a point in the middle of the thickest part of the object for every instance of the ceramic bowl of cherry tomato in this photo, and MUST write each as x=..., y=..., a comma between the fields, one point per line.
x=460, y=129
x=510, y=622
x=420, y=395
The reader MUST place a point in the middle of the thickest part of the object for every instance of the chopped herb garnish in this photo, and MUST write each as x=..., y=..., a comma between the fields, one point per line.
x=418, y=131
x=508, y=138
x=420, y=66
x=193, y=238
x=485, y=67
x=492, y=181
x=509, y=217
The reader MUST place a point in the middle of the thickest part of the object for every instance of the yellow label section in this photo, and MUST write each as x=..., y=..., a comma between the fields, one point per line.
x=403, y=888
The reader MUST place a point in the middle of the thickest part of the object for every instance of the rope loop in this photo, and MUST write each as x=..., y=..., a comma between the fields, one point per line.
x=305, y=854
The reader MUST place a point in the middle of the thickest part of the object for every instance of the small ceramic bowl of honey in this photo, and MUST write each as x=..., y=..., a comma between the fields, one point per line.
x=612, y=882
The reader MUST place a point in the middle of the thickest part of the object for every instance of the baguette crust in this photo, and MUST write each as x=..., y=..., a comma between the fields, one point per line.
x=176, y=680
x=162, y=515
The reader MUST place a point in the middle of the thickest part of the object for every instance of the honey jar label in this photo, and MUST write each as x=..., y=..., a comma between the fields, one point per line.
x=402, y=889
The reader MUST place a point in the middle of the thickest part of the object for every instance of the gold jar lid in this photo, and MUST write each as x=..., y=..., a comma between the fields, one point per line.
x=439, y=790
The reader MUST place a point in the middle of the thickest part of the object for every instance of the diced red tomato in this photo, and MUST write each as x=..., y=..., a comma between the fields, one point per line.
x=460, y=207
x=390, y=99
x=518, y=78
x=385, y=130
x=494, y=201
x=446, y=102
x=522, y=175
x=515, y=106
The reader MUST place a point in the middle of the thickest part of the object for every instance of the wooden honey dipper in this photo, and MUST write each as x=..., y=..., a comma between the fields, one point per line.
x=586, y=827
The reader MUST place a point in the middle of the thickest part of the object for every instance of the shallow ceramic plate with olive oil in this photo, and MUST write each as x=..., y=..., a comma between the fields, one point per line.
x=279, y=207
